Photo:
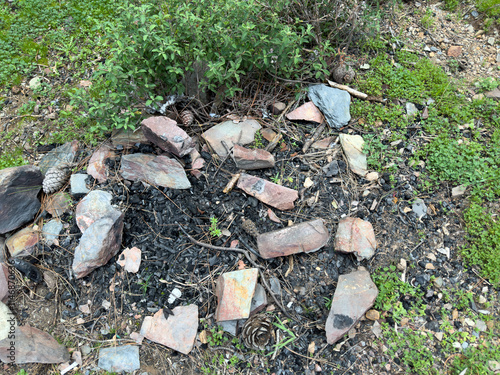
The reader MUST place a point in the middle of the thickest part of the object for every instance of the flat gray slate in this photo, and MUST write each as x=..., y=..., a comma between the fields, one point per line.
x=119, y=358
x=334, y=104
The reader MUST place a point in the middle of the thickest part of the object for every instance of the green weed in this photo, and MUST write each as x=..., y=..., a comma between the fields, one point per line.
x=213, y=229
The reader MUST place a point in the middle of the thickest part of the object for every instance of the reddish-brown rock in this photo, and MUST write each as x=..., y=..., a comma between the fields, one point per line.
x=304, y=237
x=178, y=332
x=19, y=187
x=97, y=167
x=23, y=243
x=235, y=291
x=355, y=235
x=307, y=112
x=245, y=158
x=241, y=133
x=127, y=138
x=165, y=133
x=4, y=282
x=325, y=143
x=354, y=295
x=31, y=345
x=272, y=194
x=155, y=170
x=454, y=51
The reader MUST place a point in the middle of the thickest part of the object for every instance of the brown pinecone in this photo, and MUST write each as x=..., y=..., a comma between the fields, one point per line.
x=187, y=117
x=250, y=227
x=343, y=74
x=257, y=332
x=55, y=178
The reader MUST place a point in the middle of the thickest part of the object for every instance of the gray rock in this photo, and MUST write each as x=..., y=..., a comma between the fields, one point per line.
x=229, y=326
x=241, y=133
x=58, y=156
x=96, y=205
x=354, y=296
x=19, y=187
x=154, y=170
x=275, y=285
x=259, y=300
x=333, y=103
x=78, y=184
x=411, y=109
x=119, y=358
x=353, y=150
x=331, y=169
x=32, y=346
x=8, y=321
x=419, y=208
x=51, y=231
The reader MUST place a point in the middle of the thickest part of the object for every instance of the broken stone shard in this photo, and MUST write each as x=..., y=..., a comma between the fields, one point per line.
x=355, y=294
x=96, y=205
x=304, y=237
x=235, y=291
x=333, y=103
x=165, y=133
x=130, y=259
x=306, y=112
x=97, y=164
x=178, y=332
x=154, y=170
x=119, y=358
x=277, y=196
x=23, y=243
x=355, y=235
x=241, y=133
x=64, y=154
x=19, y=187
x=353, y=150
x=245, y=158
x=32, y=346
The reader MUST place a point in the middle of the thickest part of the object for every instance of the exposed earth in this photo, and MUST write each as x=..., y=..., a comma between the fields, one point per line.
x=429, y=243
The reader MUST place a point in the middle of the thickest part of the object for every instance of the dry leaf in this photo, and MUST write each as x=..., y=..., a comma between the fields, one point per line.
x=241, y=265
x=311, y=348
x=272, y=216
x=203, y=337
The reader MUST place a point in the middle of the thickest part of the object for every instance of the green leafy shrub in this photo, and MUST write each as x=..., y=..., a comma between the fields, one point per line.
x=12, y=159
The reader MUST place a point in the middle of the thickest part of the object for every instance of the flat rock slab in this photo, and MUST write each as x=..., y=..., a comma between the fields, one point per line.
x=58, y=204
x=259, y=300
x=155, y=170
x=23, y=243
x=96, y=205
x=241, y=133
x=97, y=164
x=245, y=158
x=353, y=150
x=324, y=144
x=58, y=156
x=121, y=139
x=31, y=345
x=5, y=276
x=119, y=358
x=51, y=231
x=355, y=295
x=78, y=184
x=8, y=321
x=164, y=132
x=300, y=238
x=98, y=244
x=19, y=187
x=235, y=291
x=130, y=259
x=178, y=332
x=307, y=112
x=333, y=103
x=277, y=196
x=355, y=235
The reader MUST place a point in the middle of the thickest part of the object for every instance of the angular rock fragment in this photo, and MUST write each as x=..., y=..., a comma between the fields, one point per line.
x=454, y=51
x=32, y=346
x=58, y=204
x=119, y=358
x=355, y=235
x=277, y=196
x=96, y=205
x=130, y=259
x=78, y=184
x=23, y=243
x=241, y=133
x=51, y=231
x=126, y=138
x=97, y=164
x=8, y=322
x=235, y=291
x=98, y=244
x=259, y=300
x=58, y=156
x=154, y=170
x=306, y=112
x=494, y=94
x=333, y=103
x=304, y=237
x=353, y=150
x=19, y=187
x=5, y=276
x=178, y=332
x=324, y=143
x=164, y=132
x=245, y=158
x=355, y=294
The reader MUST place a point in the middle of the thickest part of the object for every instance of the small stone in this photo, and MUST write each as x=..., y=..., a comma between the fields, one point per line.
x=494, y=94
x=481, y=325
x=411, y=109
x=241, y=133
x=164, y=132
x=419, y=208
x=438, y=281
x=353, y=149
x=58, y=204
x=331, y=169
x=365, y=67
x=78, y=184
x=439, y=335
x=333, y=103
x=356, y=236
x=372, y=176
x=454, y=51
x=324, y=143
x=51, y=231
x=430, y=266
x=494, y=366
x=268, y=134
x=491, y=41
x=259, y=300
x=5, y=276
x=469, y=322
x=482, y=300
x=458, y=191
x=235, y=291
x=245, y=158
x=119, y=358
x=130, y=259
x=23, y=243
x=35, y=83
x=97, y=164
x=308, y=182
x=175, y=294
x=372, y=315
x=307, y=112
x=277, y=107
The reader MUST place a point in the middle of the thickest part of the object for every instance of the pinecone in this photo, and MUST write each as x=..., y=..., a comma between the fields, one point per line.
x=187, y=117
x=250, y=227
x=55, y=178
x=257, y=332
x=343, y=74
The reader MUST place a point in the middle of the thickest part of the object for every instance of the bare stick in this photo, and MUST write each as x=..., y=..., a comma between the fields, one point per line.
x=315, y=136
x=353, y=92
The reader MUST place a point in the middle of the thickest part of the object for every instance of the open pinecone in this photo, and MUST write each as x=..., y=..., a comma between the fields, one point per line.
x=55, y=178
x=250, y=227
x=257, y=332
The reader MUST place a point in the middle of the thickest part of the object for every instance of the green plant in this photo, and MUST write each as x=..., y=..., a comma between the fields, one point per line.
x=216, y=336
x=276, y=179
x=144, y=284
x=486, y=84
x=451, y=4
x=328, y=302
x=476, y=359
x=290, y=336
x=258, y=140
x=428, y=19
x=22, y=372
x=214, y=231
x=12, y=159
